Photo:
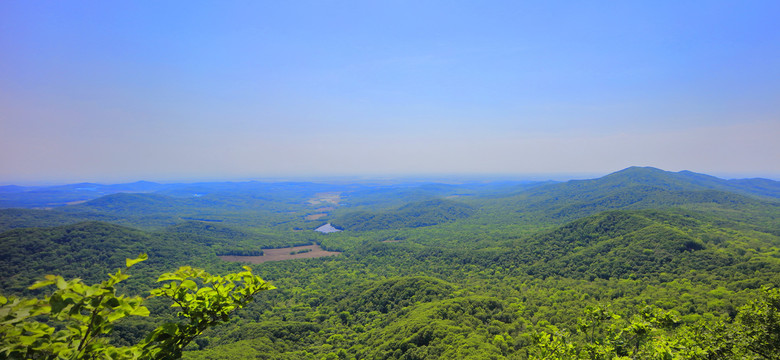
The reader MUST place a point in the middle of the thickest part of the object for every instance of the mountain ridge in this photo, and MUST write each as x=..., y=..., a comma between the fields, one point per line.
x=634, y=188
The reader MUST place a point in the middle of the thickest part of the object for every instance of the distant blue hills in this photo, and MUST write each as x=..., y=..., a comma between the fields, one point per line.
x=631, y=179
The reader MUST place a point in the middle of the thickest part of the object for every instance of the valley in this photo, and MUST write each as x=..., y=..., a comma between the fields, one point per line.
x=425, y=270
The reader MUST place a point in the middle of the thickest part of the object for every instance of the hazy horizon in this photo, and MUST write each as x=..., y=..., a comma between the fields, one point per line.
x=372, y=178
x=330, y=178
x=168, y=91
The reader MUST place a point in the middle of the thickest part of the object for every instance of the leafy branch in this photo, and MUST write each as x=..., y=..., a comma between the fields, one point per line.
x=79, y=316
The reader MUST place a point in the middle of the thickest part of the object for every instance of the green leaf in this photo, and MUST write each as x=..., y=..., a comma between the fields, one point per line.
x=170, y=276
x=140, y=311
x=114, y=316
x=131, y=262
x=112, y=302
x=61, y=283
x=58, y=303
x=41, y=283
x=189, y=284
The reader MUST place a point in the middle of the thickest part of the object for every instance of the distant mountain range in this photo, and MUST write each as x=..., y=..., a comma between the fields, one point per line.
x=13, y=196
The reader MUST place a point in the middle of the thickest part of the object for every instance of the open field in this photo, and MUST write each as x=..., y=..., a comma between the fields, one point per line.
x=315, y=216
x=326, y=198
x=282, y=254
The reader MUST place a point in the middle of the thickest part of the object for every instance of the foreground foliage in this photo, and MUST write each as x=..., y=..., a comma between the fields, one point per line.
x=657, y=334
x=74, y=321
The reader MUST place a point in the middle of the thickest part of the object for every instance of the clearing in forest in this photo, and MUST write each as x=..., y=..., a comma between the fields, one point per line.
x=315, y=216
x=326, y=198
x=288, y=253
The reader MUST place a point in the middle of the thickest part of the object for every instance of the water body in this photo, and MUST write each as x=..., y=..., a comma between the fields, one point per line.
x=327, y=229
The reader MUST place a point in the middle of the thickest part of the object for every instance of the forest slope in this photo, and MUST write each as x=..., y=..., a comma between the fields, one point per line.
x=89, y=251
x=412, y=215
x=648, y=243
x=632, y=188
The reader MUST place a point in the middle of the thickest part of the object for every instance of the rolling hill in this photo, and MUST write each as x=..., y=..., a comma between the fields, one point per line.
x=88, y=250
x=647, y=243
x=412, y=215
x=634, y=188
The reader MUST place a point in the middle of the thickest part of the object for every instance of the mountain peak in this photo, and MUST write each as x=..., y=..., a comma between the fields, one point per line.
x=640, y=170
x=645, y=176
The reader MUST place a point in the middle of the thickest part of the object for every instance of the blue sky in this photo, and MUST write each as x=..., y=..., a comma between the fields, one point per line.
x=123, y=91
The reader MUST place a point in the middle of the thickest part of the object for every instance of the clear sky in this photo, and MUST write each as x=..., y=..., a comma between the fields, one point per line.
x=113, y=91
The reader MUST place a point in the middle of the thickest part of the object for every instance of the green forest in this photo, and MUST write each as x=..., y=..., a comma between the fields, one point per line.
x=639, y=264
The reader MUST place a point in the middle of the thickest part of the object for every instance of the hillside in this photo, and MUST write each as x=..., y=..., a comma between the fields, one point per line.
x=387, y=197
x=490, y=303
x=412, y=215
x=26, y=218
x=230, y=239
x=61, y=195
x=88, y=250
x=158, y=211
x=648, y=243
x=635, y=188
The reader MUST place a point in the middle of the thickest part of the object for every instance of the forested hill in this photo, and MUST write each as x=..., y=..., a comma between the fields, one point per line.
x=158, y=211
x=648, y=243
x=128, y=204
x=89, y=250
x=634, y=188
x=388, y=197
x=26, y=218
x=413, y=215
x=62, y=195
x=649, y=177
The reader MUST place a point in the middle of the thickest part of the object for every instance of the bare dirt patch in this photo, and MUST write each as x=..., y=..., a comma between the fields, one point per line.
x=282, y=254
x=456, y=196
x=315, y=216
x=326, y=198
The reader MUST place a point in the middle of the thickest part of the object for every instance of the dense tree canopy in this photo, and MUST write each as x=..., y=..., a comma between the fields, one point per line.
x=639, y=264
